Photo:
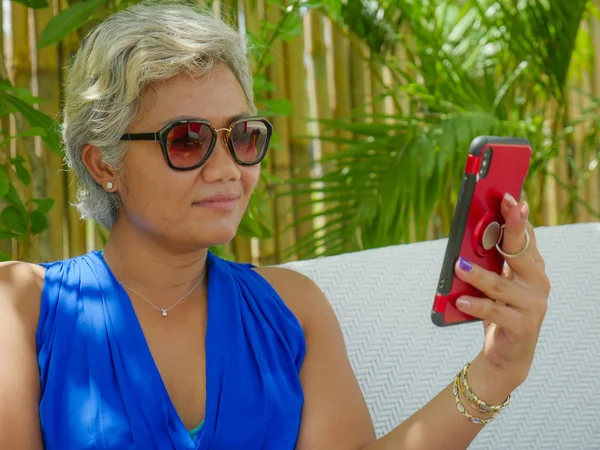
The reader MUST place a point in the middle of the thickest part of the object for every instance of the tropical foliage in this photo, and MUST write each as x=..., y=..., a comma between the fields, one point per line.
x=465, y=68
x=442, y=72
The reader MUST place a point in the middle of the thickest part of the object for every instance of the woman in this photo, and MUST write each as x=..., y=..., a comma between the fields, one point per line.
x=157, y=344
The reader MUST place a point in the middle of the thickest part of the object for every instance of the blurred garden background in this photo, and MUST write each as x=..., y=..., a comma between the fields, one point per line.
x=374, y=104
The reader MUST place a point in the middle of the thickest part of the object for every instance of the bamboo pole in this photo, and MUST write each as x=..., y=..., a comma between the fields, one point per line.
x=403, y=104
x=319, y=105
x=24, y=147
x=342, y=105
x=53, y=245
x=317, y=49
x=253, y=11
x=300, y=152
x=359, y=82
x=594, y=185
x=550, y=193
x=578, y=104
x=378, y=89
x=5, y=244
x=76, y=228
x=285, y=236
x=21, y=62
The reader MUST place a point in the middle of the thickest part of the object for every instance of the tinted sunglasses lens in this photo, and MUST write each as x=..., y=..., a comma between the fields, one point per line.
x=188, y=143
x=250, y=139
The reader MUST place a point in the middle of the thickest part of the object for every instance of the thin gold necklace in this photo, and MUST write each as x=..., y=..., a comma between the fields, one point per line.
x=164, y=311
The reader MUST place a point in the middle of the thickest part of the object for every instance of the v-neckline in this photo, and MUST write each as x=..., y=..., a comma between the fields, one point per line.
x=134, y=332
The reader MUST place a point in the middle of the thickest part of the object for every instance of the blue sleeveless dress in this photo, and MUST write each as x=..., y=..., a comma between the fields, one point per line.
x=100, y=387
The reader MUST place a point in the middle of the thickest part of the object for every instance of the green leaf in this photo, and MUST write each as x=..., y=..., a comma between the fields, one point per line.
x=250, y=227
x=261, y=84
x=22, y=172
x=256, y=222
x=14, y=220
x=4, y=182
x=6, y=108
x=5, y=257
x=44, y=205
x=4, y=234
x=35, y=4
x=37, y=119
x=12, y=197
x=21, y=93
x=63, y=24
x=33, y=131
x=39, y=221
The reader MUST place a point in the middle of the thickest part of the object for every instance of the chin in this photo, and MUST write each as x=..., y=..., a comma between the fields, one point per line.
x=219, y=234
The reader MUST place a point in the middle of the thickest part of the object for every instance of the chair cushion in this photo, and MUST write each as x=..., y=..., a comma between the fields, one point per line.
x=383, y=299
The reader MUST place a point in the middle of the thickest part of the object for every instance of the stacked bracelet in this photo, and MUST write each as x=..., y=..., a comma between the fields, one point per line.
x=481, y=406
x=461, y=384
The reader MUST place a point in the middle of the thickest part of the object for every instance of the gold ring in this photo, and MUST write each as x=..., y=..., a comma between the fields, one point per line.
x=510, y=255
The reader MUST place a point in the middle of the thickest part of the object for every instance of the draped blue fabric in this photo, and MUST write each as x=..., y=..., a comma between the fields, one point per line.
x=100, y=387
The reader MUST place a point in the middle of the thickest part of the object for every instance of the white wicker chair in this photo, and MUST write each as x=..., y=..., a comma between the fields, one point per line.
x=383, y=299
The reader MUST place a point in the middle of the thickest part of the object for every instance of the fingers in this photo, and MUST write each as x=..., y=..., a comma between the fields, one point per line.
x=500, y=288
x=513, y=320
x=515, y=221
x=503, y=289
x=530, y=263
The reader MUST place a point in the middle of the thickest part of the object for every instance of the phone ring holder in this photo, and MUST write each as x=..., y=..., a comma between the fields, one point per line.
x=511, y=255
x=491, y=235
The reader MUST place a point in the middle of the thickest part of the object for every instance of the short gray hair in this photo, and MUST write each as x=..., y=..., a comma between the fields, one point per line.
x=130, y=50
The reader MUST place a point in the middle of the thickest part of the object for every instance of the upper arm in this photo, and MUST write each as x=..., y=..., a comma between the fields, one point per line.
x=335, y=414
x=20, y=293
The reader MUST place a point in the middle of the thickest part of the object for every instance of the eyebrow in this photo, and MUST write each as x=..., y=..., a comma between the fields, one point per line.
x=231, y=119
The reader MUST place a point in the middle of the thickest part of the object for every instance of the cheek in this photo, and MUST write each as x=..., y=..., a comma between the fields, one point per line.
x=250, y=177
x=150, y=184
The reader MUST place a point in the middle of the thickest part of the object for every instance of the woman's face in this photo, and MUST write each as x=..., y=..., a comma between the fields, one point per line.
x=194, y=208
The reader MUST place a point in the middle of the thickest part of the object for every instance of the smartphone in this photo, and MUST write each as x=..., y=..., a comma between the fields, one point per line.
x=495, y=165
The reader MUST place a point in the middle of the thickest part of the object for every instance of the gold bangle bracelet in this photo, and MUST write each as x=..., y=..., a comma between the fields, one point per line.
x=479, y=404
x=462, y=409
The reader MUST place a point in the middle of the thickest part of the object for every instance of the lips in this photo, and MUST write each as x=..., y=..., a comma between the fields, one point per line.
x=220, y=202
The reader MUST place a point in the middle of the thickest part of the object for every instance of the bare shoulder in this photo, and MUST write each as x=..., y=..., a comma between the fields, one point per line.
x=302, y=295
x=21, y=286
x=20, y=293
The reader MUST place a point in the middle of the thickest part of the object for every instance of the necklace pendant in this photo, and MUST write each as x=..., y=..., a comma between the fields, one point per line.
x=165, y=313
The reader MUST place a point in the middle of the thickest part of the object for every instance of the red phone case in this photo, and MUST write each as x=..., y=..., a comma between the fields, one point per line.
x=477, y=208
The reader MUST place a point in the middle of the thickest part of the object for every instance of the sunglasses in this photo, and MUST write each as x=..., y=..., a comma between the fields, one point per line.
x=188, y=143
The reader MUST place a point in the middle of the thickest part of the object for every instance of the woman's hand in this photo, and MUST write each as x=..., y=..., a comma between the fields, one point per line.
x=517, y=300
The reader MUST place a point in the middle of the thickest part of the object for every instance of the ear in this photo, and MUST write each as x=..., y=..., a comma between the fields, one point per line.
x=100, y=171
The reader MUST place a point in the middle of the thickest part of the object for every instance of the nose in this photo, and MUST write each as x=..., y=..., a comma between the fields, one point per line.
x=221, y=167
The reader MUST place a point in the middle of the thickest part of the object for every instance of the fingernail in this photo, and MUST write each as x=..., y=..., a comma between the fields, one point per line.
x=463, y=303
x=510, y=199
x=465, y=265
x=524, y=210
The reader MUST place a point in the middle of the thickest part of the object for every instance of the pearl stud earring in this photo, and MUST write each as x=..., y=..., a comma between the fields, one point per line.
x=109, y=185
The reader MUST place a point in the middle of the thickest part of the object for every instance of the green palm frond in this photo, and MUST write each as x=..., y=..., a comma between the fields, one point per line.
x=473, y=67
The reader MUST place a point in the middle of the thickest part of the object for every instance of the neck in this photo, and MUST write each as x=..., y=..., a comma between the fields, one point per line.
x=154, y=269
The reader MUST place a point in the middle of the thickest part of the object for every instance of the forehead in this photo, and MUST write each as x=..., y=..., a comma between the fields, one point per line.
x=216, y=96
